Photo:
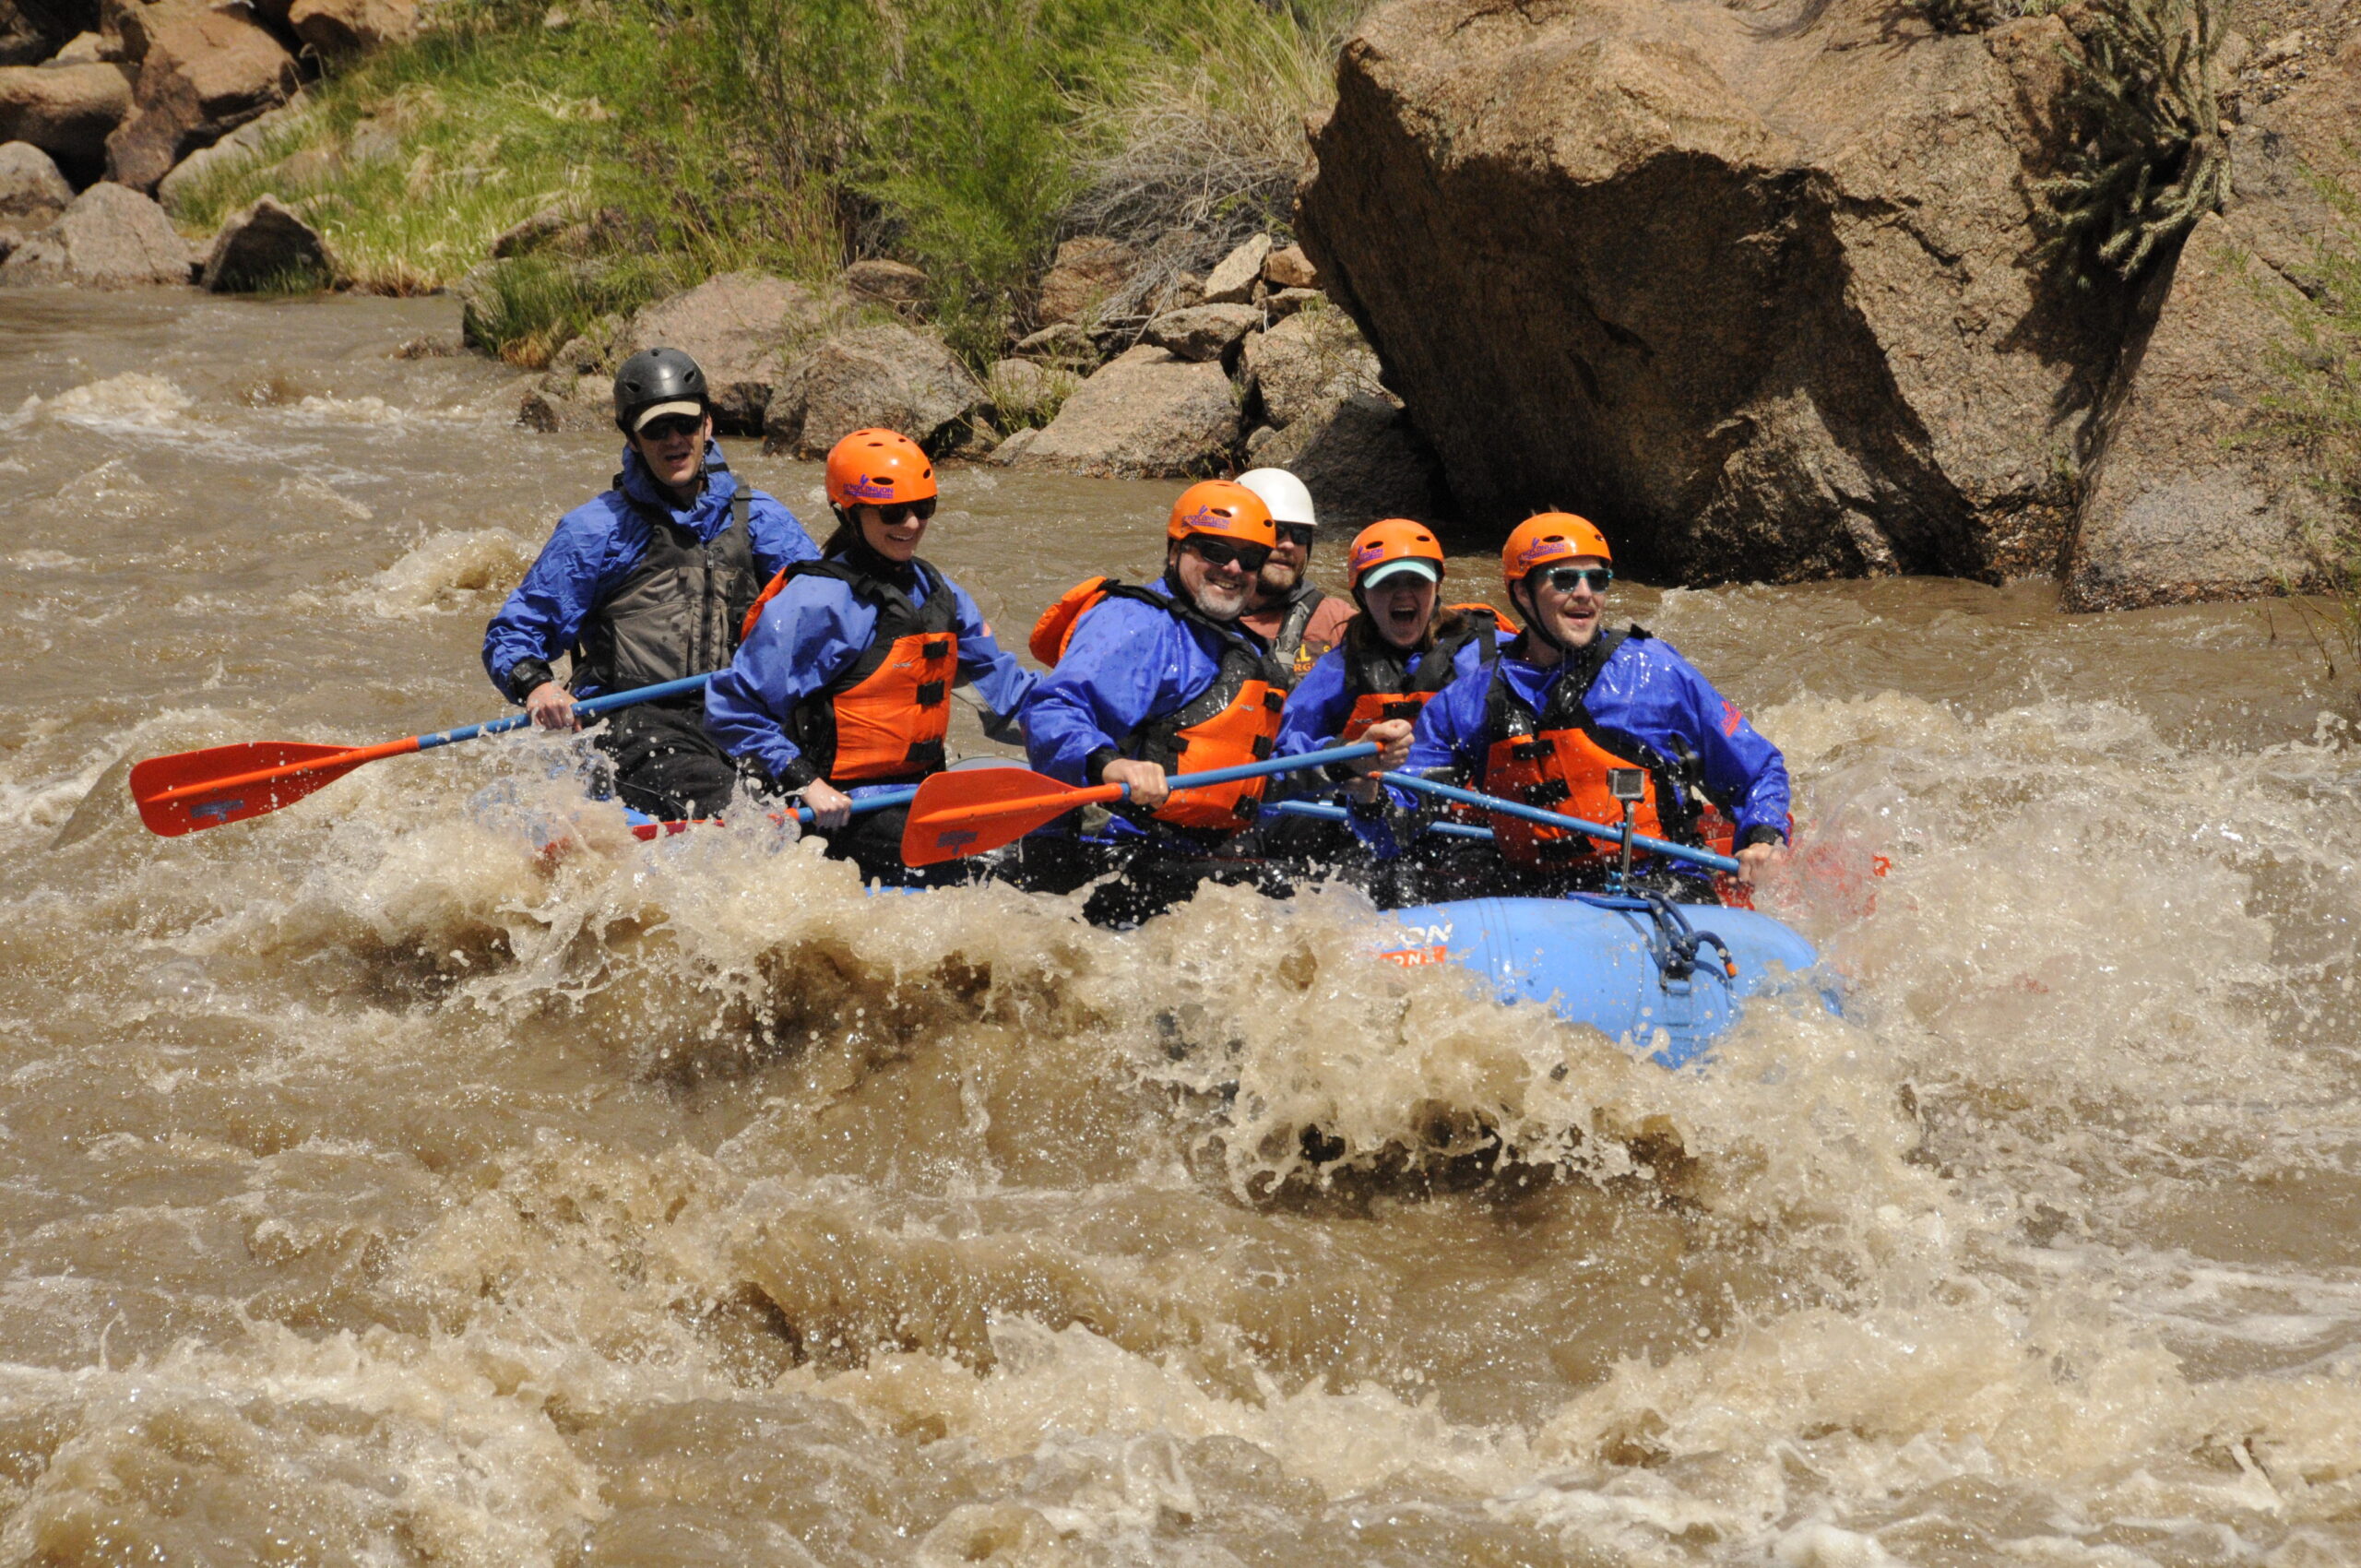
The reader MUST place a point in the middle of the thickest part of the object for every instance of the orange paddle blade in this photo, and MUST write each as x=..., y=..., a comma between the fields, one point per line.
x=969, y=812
x=193, y=790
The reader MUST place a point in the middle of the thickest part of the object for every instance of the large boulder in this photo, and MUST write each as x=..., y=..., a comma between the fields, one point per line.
x=111, y=238
x=1147, y=414
x=266, y=245
x=1749, y=285
x=1083, y=275
x=202, y=72
x=33, y=30
x=350, y=26
x=32, y=192
x=886, y=377
x=66, y=110
x=741, y=328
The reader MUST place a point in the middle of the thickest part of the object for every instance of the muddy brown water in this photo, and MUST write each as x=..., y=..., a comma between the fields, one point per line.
x=376, y=1190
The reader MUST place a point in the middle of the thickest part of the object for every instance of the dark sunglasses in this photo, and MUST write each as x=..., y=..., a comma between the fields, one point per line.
x=1221, y=552
x=669, y=426
x=894, y=513
x=1295, y=533
x=1566, y=579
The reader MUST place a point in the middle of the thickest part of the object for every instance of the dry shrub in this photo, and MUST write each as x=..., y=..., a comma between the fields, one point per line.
x=1203, y=151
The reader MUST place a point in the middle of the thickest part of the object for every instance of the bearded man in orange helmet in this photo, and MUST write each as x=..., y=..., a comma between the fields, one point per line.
x=842, y=686
x=1160, y=680
x=1570, y=700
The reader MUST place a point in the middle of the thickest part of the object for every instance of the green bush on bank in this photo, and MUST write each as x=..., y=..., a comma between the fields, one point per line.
x=794, y=136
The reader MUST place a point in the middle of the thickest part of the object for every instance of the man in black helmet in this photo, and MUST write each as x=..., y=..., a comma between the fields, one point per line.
x=648, y=582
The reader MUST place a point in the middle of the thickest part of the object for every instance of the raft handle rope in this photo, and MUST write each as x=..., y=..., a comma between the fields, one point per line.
x=1673, y=943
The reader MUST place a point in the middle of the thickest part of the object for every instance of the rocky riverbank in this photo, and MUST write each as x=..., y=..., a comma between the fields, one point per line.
x=1768, y=288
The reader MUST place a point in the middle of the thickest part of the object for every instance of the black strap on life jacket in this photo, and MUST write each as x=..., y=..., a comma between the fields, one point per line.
x=676, y=613
x=1509, y=717
x=1383, y=669
x=812, y=725
x=1242, y=659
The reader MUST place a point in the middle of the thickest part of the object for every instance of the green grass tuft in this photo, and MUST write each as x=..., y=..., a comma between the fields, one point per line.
x=793, y=136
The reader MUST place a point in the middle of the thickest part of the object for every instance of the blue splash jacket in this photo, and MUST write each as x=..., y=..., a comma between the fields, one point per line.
x=1645, y=689
x=1126, y=663
x=598, y=543
x=809, y=633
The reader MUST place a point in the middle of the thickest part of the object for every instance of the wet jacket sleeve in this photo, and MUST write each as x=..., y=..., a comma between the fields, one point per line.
x=1001, y=684
x=1126, y=661
x=806, y=637
x=541, y=617
x=1740, y=766
x=1316, y=709
x=776, y=538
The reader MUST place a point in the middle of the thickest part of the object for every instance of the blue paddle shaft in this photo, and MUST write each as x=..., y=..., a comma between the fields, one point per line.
x=591, y=708
x=1553, y=819
x=1264, y=769
x=867, y=803
x=1326, y=812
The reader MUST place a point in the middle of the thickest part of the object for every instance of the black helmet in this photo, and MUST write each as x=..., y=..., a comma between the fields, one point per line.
x=653, y=376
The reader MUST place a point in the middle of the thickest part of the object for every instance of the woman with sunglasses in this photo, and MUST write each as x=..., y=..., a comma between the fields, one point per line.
x=649, y=582
x=843, y=684
x=1569, y=700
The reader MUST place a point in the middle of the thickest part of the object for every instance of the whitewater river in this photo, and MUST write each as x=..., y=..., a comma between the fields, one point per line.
x=377, y=1188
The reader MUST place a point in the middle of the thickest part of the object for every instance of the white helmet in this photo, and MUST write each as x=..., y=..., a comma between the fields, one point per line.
x=1283, y=493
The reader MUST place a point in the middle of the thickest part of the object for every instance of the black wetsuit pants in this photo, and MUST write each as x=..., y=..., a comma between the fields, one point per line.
x=665, y=764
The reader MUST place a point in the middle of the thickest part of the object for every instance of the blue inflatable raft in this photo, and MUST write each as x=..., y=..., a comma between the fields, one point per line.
x=1653, y=976
x=1665, y=979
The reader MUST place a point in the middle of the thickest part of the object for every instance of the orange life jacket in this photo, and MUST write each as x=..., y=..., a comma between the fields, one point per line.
x=883, y=715
x=1382, y=685
x=1559, y=758
x=1234, y=721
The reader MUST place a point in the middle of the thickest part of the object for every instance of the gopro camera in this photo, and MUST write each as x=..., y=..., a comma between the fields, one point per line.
x=1626, y=783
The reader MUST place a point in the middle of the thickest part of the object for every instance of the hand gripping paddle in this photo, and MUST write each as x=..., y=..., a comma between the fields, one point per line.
x=967, y=814
x=190, y=791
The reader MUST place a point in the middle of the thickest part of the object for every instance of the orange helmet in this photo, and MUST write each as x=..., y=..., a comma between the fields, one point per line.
x=1393, y=538
x=1552, y=536
x=1225, y=509
x=877, y=468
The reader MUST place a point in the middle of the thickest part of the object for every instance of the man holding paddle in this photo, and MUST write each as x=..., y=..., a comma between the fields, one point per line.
x=1160, y=680
x=1570, y=705
x=649, y=582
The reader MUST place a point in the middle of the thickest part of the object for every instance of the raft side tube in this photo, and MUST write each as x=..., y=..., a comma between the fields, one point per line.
x=1600, y=967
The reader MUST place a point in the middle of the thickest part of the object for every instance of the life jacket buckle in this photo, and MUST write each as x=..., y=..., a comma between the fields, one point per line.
x=1273, y=701
x=1548, y=792
x=936, y=647
x=931, y=694
x=1402, y=707
x=1526, y=751
x=1263, y=748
